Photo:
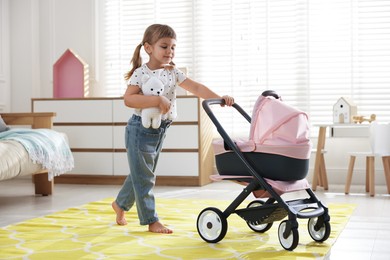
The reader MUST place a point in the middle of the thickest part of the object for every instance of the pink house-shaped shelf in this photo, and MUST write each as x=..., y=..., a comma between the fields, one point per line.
x=70, y=76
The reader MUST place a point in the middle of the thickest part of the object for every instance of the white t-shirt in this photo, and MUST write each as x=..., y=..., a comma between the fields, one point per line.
x=173, y=77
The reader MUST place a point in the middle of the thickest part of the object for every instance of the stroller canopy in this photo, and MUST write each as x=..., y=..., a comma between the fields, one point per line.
x=276, y=128
x=277, y=125
x=279, y=128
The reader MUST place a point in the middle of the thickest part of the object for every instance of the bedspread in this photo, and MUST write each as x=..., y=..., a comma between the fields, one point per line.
x=15, y=161
x=46, y=147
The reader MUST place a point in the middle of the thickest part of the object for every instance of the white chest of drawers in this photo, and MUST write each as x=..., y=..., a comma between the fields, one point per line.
x=95, y=128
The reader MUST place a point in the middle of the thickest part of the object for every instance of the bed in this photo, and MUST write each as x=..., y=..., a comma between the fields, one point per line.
x=16, y=154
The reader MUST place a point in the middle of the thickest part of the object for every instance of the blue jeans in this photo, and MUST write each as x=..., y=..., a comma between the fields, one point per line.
x=143, y=147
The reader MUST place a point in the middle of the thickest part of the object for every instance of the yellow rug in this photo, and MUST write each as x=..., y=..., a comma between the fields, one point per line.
x=90, y=232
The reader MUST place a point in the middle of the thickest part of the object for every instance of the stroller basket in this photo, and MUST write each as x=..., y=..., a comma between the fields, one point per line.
x=262, y=214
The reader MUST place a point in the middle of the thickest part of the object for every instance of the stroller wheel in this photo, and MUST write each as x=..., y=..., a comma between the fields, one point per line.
x=288, y=241
x=318, y=233
x=261, y=227
x=212, y=225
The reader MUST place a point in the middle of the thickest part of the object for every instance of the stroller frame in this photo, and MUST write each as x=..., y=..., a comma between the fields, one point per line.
x=212, y=223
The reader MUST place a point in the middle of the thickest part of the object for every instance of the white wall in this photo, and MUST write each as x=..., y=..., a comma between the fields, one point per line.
x=41, y=31
x=24, y=53
x=35, y=33
x=5, y=78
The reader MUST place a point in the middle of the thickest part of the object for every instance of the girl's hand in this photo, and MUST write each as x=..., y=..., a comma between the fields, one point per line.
x=164, y=105
x=229, y=101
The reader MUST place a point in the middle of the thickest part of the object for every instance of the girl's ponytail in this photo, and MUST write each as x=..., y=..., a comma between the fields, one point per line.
x=136, y=61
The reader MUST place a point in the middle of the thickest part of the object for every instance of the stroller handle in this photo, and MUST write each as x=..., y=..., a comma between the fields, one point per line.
x=220, y=101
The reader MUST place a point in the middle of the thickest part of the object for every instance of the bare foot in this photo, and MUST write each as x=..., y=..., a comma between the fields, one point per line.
x=120, y=214
x=158, y=227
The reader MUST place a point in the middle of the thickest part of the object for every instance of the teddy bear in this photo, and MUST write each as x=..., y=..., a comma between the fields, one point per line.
x=151, y=86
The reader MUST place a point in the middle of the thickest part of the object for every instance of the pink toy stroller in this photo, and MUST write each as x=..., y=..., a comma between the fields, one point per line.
x=273, y=161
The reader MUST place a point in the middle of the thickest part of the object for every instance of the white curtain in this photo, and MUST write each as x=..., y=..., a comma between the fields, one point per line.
x=312, y=52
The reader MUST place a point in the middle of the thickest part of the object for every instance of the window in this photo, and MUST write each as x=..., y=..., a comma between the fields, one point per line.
x=122, y=24
x=312, y=52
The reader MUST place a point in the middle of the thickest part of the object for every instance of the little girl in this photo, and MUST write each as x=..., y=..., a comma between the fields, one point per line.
x=143, y=145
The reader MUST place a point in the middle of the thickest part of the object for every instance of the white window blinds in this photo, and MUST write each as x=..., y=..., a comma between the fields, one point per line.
x=122, y=24
x=312, y=52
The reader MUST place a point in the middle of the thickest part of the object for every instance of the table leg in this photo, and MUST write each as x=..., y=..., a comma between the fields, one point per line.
x=318, y=161
x=386, y=168
x=371, y=175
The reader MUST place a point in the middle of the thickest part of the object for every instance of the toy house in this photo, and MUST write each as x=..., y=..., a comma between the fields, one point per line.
x=343, y=111
x=70, y=76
